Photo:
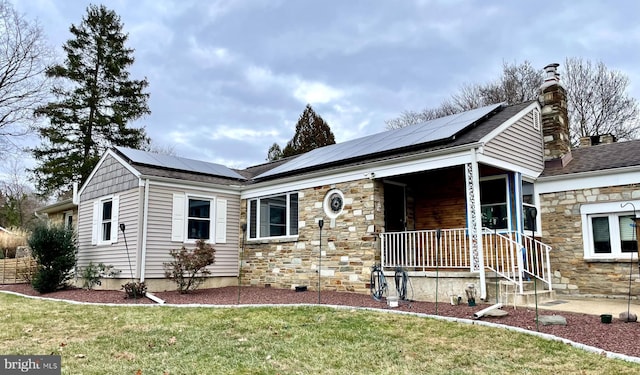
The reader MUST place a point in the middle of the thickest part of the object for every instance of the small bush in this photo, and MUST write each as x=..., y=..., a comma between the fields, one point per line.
x=54, y=249
x=92, y=273
x=188, y=268
x=135, y=289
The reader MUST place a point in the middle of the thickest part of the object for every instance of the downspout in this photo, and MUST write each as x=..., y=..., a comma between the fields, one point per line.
x=145, y=220
x=475, y=175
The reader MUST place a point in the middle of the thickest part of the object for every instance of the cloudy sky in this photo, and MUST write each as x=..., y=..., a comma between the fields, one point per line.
x=228, y=78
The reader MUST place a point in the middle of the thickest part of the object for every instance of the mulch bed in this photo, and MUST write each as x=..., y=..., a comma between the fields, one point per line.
x=618, y=337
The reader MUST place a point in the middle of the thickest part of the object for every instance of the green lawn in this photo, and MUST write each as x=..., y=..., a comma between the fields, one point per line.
x=303, y=340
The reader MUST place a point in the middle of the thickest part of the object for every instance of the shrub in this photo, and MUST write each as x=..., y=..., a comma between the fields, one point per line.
x=188, y=268
x=92, y=273
x=135, y=289
x=54, y=249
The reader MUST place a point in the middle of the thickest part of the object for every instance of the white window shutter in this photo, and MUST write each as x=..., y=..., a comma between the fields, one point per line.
x=177, y=218
x=115, y=203
x=221, y=221
x=94, y=223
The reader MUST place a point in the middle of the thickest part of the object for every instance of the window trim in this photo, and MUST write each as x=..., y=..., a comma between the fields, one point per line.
x=288, y=217
x=212, y=217
x=97, y=233
x=611, y=210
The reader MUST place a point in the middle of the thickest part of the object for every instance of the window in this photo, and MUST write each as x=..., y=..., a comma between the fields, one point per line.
x=68, y=219
x=105, y=221
x=275, y=216
x=528, y=207
x=107, y=212
x=198, y=217
x=493, y=203
x=612, y=234
x=608, y=235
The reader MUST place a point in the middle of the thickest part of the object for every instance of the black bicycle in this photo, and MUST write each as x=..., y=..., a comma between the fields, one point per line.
x=378, y=282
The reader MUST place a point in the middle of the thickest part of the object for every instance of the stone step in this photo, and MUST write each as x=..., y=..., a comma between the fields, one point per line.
x=527, y=298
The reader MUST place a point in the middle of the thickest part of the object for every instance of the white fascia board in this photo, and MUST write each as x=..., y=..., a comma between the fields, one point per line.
x=110, y=152
x=505, y=125
x=526, y=172
x=588, y=180
x=381, y=169
x=202, y=186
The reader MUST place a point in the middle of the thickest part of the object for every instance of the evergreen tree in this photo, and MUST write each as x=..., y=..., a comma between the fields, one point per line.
x=95, y=100
x=311, y=132
x=274, y=153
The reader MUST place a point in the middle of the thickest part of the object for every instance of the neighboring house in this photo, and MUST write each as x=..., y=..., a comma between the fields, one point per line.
x=63, y=212
x=492, y=195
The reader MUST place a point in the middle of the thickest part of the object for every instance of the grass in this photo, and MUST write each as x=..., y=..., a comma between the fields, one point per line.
x=282, y=340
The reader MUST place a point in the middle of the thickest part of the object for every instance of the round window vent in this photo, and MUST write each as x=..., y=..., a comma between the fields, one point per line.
x=333, y=203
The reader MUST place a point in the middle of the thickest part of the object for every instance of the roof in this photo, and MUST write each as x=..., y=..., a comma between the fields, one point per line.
x=63, y=205
x=598, y=158
x=433, y=131
x=158, y=165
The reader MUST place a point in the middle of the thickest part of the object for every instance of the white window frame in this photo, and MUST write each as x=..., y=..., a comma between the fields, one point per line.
x=212, y=221
x=65, y=219
x=180, y=218
x=258, y=216
x=97, y=233
x=612, y=211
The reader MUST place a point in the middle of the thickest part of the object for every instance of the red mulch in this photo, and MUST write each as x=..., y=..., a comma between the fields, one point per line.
x=618, y=337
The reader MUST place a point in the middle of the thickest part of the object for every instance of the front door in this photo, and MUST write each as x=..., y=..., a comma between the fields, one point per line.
x=395, y=213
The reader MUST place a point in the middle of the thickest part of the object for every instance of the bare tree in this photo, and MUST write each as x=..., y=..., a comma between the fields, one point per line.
x=596, y=96
x=23, y=60
x=597, y=101
x=518, y=83
x=18, y=200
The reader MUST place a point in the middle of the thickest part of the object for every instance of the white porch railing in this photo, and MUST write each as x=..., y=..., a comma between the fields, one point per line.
x=512, y=256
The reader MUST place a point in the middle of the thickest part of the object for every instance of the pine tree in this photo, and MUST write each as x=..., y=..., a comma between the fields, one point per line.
x=311, y=132
x=274, y=153
x=95, y=100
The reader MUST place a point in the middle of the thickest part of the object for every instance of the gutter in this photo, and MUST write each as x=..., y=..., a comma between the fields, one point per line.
x=364, y=166
x=601, y=172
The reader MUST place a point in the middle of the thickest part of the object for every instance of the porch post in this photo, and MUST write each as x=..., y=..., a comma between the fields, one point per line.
x=474, y=221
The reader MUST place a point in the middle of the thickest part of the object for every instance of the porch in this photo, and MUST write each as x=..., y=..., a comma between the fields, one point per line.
x=516, y=261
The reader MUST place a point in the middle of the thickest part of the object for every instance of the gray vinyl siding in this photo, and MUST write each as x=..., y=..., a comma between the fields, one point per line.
x=159, y=232
x=115, y=254
x=521, y=144
x=110, y=178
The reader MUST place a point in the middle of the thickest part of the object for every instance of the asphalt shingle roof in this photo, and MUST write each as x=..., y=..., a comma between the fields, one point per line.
x=597, y=158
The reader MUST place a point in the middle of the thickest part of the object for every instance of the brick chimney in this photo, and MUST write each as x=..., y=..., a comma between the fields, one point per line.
x=555, y=121
x=594, y=140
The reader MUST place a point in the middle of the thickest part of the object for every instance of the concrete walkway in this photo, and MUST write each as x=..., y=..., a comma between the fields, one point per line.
x=594, y=306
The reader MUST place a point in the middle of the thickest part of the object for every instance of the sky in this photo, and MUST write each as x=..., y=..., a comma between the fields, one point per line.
x=228, y=78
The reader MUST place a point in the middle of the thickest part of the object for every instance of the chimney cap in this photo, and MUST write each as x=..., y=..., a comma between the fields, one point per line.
x=552, y=76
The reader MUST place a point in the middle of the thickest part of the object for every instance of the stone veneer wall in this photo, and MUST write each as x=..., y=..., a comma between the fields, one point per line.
x=562, y=230
x=350, y=243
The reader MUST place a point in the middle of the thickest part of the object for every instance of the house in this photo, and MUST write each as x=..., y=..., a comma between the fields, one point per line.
x=472, y=198
x=137, y=206
x=64, y=212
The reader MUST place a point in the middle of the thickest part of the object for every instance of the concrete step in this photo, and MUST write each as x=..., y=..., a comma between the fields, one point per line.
x=527, y=298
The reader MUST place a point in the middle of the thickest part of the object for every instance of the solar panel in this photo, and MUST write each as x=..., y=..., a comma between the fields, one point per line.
x=178, y=163
x=426, y=132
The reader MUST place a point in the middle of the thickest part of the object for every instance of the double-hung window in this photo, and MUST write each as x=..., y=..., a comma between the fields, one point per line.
x=273, y=216
x=198, y=217
x=608, y=235
x=105, y=220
